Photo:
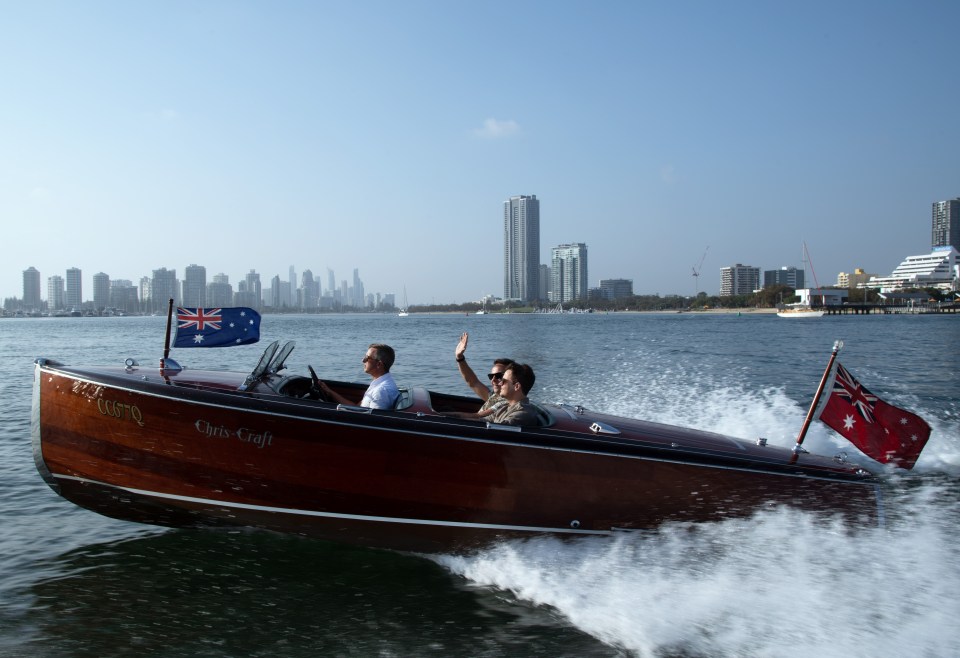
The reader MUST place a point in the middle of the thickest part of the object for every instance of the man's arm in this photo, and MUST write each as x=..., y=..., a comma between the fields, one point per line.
x=469, y=376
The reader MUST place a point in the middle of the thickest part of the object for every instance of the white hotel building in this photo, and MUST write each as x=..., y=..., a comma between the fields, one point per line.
x=938, y=269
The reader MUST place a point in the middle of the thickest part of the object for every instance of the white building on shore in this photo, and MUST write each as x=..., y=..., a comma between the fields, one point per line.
x=938, y=269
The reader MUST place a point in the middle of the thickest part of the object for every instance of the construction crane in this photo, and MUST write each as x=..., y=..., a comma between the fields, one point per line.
x=696, y=273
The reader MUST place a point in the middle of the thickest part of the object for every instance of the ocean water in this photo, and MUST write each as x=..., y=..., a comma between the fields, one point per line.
x=783, y=583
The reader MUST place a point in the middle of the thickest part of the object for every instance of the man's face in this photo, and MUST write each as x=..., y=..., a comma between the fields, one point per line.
x=510, y=388
x=495, y=375
x=370, y=361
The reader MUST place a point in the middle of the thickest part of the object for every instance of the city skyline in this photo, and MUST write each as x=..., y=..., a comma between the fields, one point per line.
x=567, y=274
x=240, y=135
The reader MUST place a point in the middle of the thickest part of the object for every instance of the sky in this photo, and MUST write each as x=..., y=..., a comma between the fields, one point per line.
x=385, y=136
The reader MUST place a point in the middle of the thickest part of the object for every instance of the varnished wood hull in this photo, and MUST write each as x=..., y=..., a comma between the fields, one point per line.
x=189, y=449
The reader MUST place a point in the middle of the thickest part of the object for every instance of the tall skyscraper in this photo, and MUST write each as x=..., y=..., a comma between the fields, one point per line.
x=358, y=295
x=101, y=291
x=946, y=224
x=195, y=286
x=254, y=289
x=74, y=288
x=291, y=298
x=521, y=248
x=569, y=270
x=31, y=289
x=309, y=291
x=56, y=297
x=163, y=287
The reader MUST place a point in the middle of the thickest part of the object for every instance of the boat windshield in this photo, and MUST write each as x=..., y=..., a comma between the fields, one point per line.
x=276, y=365
x=262, y=365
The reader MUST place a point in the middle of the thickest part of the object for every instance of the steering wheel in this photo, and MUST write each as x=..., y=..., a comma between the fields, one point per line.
x=316, y=392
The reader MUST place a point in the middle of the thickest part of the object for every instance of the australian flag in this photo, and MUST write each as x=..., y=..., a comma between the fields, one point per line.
x=216, y=327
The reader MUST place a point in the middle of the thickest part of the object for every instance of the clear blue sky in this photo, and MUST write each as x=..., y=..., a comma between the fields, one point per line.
x=386, y=135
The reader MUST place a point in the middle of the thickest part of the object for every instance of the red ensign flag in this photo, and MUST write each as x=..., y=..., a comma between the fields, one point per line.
x=880, y=430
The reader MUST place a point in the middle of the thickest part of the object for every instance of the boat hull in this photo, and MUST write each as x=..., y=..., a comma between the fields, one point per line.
x=193, y=450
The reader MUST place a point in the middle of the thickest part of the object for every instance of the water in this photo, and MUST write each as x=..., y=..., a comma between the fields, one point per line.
x=785, y=583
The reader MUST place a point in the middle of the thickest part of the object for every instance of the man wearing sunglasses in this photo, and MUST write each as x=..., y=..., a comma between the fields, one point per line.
x=382, y=392
x=515, y=384
x=490, y=396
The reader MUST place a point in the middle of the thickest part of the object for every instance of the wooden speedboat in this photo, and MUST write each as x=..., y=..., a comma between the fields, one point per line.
x=183, y=447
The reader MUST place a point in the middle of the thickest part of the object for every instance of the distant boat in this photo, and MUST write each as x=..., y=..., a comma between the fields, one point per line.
x=804, y=310
x=403, y=309
x=800, y=311
x=483, y=310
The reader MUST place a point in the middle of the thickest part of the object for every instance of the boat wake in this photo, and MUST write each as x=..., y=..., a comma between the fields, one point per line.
x=782, y=583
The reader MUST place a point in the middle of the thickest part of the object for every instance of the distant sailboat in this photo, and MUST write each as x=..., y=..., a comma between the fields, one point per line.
x=804, y=310
x=483, y=310
x=403, y=309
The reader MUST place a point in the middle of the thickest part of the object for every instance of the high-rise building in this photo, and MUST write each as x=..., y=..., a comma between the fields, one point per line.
x=254, y=289
x=358, y=300
x=101, y=291
x=309, y=291
x=739, y=280
x=195, y=286
x=521, y=248
x=569, y=271
x=946, y=224
x=31, y=289
x=123, y=296
x=219, y=291
x=785, y=276
x=56, y=297
x=146, y=292
x=74, y=288
x=544, y=281
x=290, y=299
x=163, y=287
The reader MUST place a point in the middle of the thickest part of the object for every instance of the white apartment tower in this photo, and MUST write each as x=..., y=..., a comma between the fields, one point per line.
x=739, y=280
x=74, y=288
x=569, y=271
x=521, y=248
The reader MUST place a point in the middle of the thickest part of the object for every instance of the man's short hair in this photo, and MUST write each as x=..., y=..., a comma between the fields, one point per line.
x=523, y=374
x=385, y=354
x=502, y=362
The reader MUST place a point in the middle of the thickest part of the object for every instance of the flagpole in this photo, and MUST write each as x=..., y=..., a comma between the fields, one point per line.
x=837, y=345
x=166, y=342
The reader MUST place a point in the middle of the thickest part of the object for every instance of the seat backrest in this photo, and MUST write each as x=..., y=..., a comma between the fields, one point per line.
x=404, y=399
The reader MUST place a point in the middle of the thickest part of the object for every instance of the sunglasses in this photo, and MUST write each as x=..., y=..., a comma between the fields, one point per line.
x=494, y=375
x=370, y=358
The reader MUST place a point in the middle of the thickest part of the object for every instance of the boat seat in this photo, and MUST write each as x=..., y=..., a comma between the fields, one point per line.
x=544, y=419
x=404, y=400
